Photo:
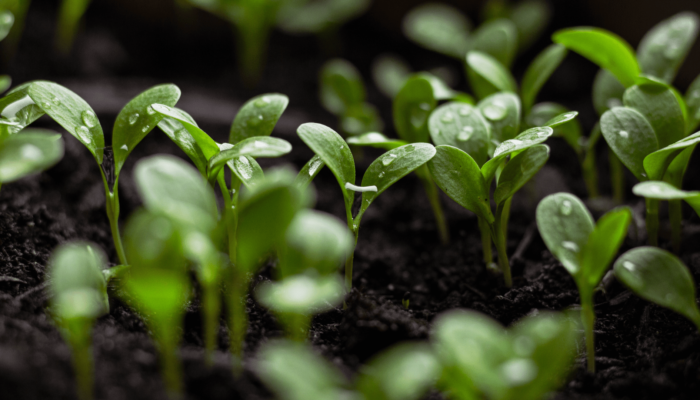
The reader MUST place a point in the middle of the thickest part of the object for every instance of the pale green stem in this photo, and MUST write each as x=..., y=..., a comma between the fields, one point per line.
x=355, y=229
x=113, y=216
x=588, y=319
x=499, y=239
x=434, y=199
x=79, y=332
x=172, y=371
x=238, y=319
x=652, y=220
x=675, y=213
x=590, y=174
x=211, y=309
x=486, y=240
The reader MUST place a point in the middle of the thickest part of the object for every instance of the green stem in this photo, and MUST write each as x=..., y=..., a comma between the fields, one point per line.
x=211, y=309
x=652, y=220
x=590, y=174
x=434, y=198
x=617, y=177
x=675, y=213
x=297, y=326
x=79, y=332
x=505, y=217
x=113, y=216
x=355, y=229
x=238, y=319
x=499, y=239
x=588, y=318
x=486, y=240
x=171, y=370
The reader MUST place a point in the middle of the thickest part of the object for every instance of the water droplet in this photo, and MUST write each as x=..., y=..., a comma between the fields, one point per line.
x=244, y=168
x=133, y=118
x=31, y=152
x=623, y=134
x=46, y=105
x=388, y=159
x=465, y=111
x=495, y=112
x=145, y=129
x=260, y=145
x=571, y=246
x=354, y=227
x=504, y=147
x=84, y=134
x=381, y=174
x=465, y=133
x=56, y=100
x=150, y=110
x=629, y=266
x=644, y=174
x=565, y=207
x=125, y=147
x=314, y=166
x=342, y=147
x=447, y=118
x=255, y=120
x=519, y=371
x=262, y=102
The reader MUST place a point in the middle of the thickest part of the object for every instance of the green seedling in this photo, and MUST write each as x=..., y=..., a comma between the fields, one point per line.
x=32, y=151
x=584, y=248
x=158, y=287
x=660, y=277
x=343, y=94
x=293, y=371
x=467, y=182
x=170, y=187
x=69, y=16
x=24, y=104
x=78, y=298
x=332, y=151
x=659, y=190
x=481, y=360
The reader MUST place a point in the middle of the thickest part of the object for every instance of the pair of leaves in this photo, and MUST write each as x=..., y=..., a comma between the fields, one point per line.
x=584, y=248
x=32, y=151
x=660, y=277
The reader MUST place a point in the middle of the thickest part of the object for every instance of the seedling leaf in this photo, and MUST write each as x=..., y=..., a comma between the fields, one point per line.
x=498, y=38
x=607, y=91
x=389, y=74
x=302, y=294
x=660, y=107
x=519, y=171
x=341, y=86
x=438, y=27
x=603, y=244
x=246, y=169
x=663, y=49
x=463, y=126
x=7, y=19
x=256, y=146
x=528, y=138
x=487, y=75
x=258, y=117
x=539, y=71
x=665, y=191
x=207, y=145
x=177, y=132
x=502, y=111
x=32, y=151
x=309, y=171
x=412, y=107
x=656, y=163
x=630, y=136
x=376, y=139
x=692, y=100
x=530, y=18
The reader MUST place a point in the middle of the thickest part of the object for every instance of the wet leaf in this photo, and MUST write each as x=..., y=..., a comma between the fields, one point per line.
x=665, y=191
x=656, y=163
x=630, y=136
x=502, y=111
x=258, y=116
x=177, y=132
x=412, y=107
x=529, y=138
x=603, y=244
x=539, y=72
x=438, y=27
x=206, y=144
x=663, y=49
x=607, y=92
x=519, y=170
x=487, y=75
x=32, y=151
x=309, y=171
x=256, y=146
x=692, y=100
x=497, y=38
x=376, y=139
x=389, y=73
x=560, y=119
x=463, y=126
x=660, y=107
x=246, y=169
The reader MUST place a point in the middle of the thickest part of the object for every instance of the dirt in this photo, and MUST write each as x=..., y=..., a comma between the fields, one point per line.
x=642, y=351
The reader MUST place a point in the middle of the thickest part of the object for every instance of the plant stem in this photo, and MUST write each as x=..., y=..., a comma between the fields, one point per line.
x=499, y=239
x=354, y=228
x=434, y=198
x=675, y=213
x=617, y=177
x=79, y=332
x=590, y=173
x=113, y=216
x=486, y=240
x=588, y=319
x=211, y=307
x=170, y=365
x=652, y=220
x=238, y=319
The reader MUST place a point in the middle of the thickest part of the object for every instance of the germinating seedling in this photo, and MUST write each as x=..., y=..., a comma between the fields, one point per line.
x=332, y=151
x=660, y=277
x=584, y=248
x=78, y=297
x=481, y=360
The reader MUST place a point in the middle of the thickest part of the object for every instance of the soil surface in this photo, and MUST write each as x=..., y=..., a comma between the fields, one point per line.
x=642, y=351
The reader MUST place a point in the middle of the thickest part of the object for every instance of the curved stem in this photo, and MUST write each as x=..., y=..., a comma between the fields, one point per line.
x=588, y=319
x=652, y=220
x=486, y=241
x=675, y=213
x=434, y=199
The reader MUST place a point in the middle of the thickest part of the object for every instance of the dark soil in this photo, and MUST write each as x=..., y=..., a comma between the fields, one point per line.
x=643, y=351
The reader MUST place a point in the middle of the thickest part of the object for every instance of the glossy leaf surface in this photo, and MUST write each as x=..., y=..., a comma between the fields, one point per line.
x=376, y=139
x=487, y=75
x=438, y=27
x=498, y=38
x=541, y=68
x=630, y=136
x=256, y=146
x=530, y=137
x=258, y=116
x=660, y=107
x=503, y=112
x=32, y=151
x=656, y=163
x=412, y=107
x=603, y=244
x=519, y=170
x=463, y=126
x=663, y=49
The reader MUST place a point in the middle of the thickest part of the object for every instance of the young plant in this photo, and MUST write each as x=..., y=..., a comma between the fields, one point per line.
x=68, y=19
x=31, y=151
x=332, y=151
x=461, y=177
x=659, y=190
x=660, y=277
x=78, y=298
x=584, y=248
x=481, y=360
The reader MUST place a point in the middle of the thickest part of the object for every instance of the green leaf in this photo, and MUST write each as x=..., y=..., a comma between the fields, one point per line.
x=246, y=169
x=177, y=132
x=71, y=112
x=656, y=163
x=341, y=86
x=7, y=19
x=389, y=73
x=137, y=118
x=665, y=191
x=461, y=125
x=560, y=119
x=412, y=107
x=565, y=225
x=458, y=175
x=660, y=277
x=309, y=171
x=206, y=144
x=663, y=49
x=376, y=139
x=333, y=151
x=438, y=27
x=302, y=294
x=404, y=372
x=497, y=38
x=258, y=116
x=659, y=106
x=361, y=118
x=692, y=99
x=18, y=111
x=603, y=244
x=529, y=138
x=607, y=91
x=630, y=136
x=539, y=71
x=502, y=111
x=519, y=170
x=487, y=75
x=440, y=89
x=392, y=166
x=604, y=48
x=171, y=187
x=531, y=18
x=256, y=146
x=32, y=151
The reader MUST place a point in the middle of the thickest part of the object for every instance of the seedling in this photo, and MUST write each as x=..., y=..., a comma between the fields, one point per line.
x=79, y=297
x=480, y=359
x=584, y=248
x=332, y=151
x=660, y=277
x=461, y=177
x=69, y=17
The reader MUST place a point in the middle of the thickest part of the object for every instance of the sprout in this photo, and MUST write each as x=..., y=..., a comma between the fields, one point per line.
x=79, y=297
x=332, y=151
x=660, y=277
x=480, y=359
x=584, y=248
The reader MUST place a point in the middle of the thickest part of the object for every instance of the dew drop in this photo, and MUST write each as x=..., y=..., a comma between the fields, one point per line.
x=56, y=100
x=447, y=118
x=46, y=105
x=262, y=102
x=145, y=129
x=31, y=152
x=314, y=166
x=623, y=134
x=495, y=112
x=388, y=159
x=381, y=174
x=465, y=111
x=255, y=121
x=629, y=266
x=150, y=110
x=260, y=145
x=84, y=133
x=133, y=118
x=244, y=168
x=571, y=246
x=465, y=133
x=565, y=207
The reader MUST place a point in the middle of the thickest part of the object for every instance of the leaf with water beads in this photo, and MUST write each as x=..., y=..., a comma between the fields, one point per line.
x=656, y=163
x=462, y=126
x=411, y=109
x=258, y=116
x=177, y=132
x=630, y=136
x=438, y=27
x=665, y=191
x=376, y=139
x=502, y=111
x=32, y=151
x=136, y=119
x=498, y=38
x=248, y=171
x=256, y=146
x=309, y=171
x=663, y=49
x=528, y=138
x=18, y=111
x=487, y=75
x=206, y=144
x=71, y=112
x=392, y=166
x=519, y=170
x=539, y=71
x=560, y=119
x=658, y=104
x=603, y=244
x=341, y=86
x=660, y=277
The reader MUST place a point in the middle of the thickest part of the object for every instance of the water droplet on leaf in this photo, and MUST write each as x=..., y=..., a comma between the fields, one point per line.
x=255, y=121
x=133, y=118
x=629, y=266
x=465, y=111
x=465, y=133
x=623, y=134
x=388, y=159
x=447, y=117
x=495, y=112
x=125, y=147
x=84, y=134
x=381, y=174
x=565, y=207
x=571, y=246
x=262, y=102
x=150, y=110
x=244, y=168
